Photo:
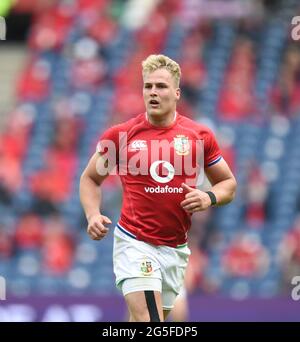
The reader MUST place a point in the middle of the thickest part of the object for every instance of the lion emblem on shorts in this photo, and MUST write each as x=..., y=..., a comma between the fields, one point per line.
x=146, y=268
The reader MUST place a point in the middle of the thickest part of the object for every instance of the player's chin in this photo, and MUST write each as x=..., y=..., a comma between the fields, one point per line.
x=154, y=111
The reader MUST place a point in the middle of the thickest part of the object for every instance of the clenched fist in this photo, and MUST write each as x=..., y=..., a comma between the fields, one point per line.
x=195, y=200
x=96, y=226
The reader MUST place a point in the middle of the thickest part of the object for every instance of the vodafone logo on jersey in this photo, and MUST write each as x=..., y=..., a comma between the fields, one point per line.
x=166, y=165
x=165, y=179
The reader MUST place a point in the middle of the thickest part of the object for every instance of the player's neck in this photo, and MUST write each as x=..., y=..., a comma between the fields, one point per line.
x=161, y=121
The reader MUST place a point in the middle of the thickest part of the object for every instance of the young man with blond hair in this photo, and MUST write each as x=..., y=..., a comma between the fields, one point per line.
x=160, y=156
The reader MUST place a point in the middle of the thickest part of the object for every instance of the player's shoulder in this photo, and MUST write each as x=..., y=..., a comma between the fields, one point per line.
x=196, y=126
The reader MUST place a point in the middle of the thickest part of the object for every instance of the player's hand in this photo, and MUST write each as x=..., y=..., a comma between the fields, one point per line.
x=96, y=226
x=195, y=199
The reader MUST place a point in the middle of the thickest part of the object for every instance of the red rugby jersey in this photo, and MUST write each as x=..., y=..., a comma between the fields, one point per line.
x=152, y=163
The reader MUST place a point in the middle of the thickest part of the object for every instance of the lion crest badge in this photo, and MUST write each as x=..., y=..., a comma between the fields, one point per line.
x=146, y=268
x=182, y=145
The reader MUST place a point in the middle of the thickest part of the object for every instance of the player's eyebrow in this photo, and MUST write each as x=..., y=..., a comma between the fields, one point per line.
x=156, y=83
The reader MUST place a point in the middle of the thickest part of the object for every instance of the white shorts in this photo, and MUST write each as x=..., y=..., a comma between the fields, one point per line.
x=148, y=267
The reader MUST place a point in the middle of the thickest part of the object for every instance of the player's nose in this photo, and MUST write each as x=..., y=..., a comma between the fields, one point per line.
x=153, y=91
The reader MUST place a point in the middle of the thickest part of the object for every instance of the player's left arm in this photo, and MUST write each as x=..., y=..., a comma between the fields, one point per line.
x=223, y=182
x=223, y=187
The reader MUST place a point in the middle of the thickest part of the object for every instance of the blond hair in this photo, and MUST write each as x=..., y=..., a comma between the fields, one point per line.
x=154, y=62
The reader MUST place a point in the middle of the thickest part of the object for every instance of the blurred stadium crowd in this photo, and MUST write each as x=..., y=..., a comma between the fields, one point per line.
x=241, y=76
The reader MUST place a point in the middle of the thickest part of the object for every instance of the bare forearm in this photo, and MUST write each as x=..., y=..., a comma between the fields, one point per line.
x=224, y=191
x=90, y=196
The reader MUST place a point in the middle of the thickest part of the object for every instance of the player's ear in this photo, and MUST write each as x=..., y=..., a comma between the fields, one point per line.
x=178, y=93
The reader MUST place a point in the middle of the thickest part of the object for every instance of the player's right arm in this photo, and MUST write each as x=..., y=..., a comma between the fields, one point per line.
x=90, y=196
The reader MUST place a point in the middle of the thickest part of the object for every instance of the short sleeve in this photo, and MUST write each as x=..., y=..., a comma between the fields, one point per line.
x=108, y=144
x=110, y=136
x=212, y=152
